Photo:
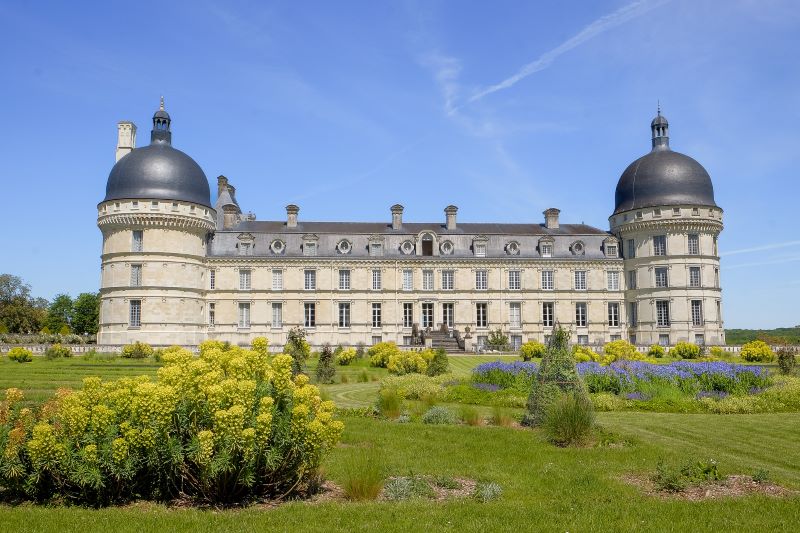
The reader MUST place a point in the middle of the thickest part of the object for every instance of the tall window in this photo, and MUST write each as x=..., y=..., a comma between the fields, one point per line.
x=447, y=280
x=309, y=315
x=212, y=279
x=662, y=313
x=514, y=282
x=660, y=245
x=613, y=314
x=376, y=315
x=631, y=249
x=546, y=249
x=244, y=280
x=277, y=315
x=548, y=315
x=480, y=249
x=244, y=248
x=376, y=279
x=697, y=312
x=661, y=277
x=481, y=318
x=212, y=315
x=277, y=280
x=136, y=275
x=716, y=277
x=375, y=248
x=344, y=280
x=135, y=314
x=344, y=314
x=580, y=314
x=244, y=315
x=137, y=241
x=547, y=280
x=427, y=280
x=633, y=313
x=694, y=244
x=613, y=280
x=694, y=276
x=408, y=280
x=408, y=315
x=631, y=279
x=580, y=280
x=515, y=314
x=481, y=282
x=719, y=312
x=663, y=339
x=310, y=280
x=309, y=248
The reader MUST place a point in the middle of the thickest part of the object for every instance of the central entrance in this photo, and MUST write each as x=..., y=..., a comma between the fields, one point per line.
x=427, y=315
x=447, y=315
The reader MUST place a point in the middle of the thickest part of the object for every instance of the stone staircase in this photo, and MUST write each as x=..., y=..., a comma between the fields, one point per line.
x=443, y=340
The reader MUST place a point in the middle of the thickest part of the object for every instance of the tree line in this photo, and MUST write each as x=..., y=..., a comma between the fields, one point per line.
x=21, y=313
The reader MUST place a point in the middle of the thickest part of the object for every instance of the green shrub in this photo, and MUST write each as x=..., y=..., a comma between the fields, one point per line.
x=298, y=349
x=20, y=355
x=583, y=354
x=345, y=356
x=657, y=351
x=439, y=364
x=605, y=401
x=685, y=350
x=486, y=492
x=380, y=353
x=667, y=479
x=757, y=352
x=407, y=363
x=363, y=377
x=389, y=403
x=497, y=340
x=446, y=482
x=761, y=476
x=621, y=350
x=787, y=360
x=57, y=351
x=406, y=488
x=532, y=349
x=360, y=352
x=325, y=369
x=671, y=479
x=64, y=330
x=363, y=476
x=439, y=415
x=137, y=350
x=569, y=419
x=415, y=386
x=470, y=416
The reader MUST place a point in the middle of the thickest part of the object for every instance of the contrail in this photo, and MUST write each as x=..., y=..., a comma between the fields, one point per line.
x=772, y=246
x=594, y=29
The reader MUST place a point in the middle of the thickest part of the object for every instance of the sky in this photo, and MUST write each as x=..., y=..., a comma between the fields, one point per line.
x=503, y=108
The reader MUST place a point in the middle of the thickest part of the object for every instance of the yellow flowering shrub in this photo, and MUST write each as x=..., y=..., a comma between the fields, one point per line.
x=407, y=363
x=228, y=425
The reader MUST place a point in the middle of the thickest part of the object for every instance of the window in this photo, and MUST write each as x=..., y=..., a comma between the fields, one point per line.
x=135, y=204
x=244, y=315
x=583, y=340
x=212, y=315
x=136, y=275
x=616, y=337
x=548, y=314
x=174, y=206
x=481, y=283
x=656, y=213
x=212, y=279
x=633, y=314
x=153, y=205
x=448, y=313
x=694, y=276
x=613, y=314
x=547, y=280
x=516, y=342
x=376, y=339
x=632, y=338
x=310, y=280
x=344, y=280
x=427, y=315
x=515, y=315
x=481, y=319
x=547, y=249
x=344, y=247
x=663, y=339
x=277, y=315
x=376, y=279
x=697, y=313
x=660, y=245
x=427, y=280
x=344, y=314
x=613, y=280
x=661, y=277
x=244, y=248
x=716, y=277
x=244, y=280
x=447, y=280
x=694, y=245
x=137, y=241
x=611, y=250
x=309, y=315
x=580, y=314
x=714, y=245
x=408, y=280
x=695, y=212
x=427, y=244
x=676, y=211
x=408, y=315
x=376, y=248
x=662, y=313
x=376, y=315
x=719, y=312
x=277, y=280
x=480, y=249
x=514, y=282
x=135, y=314
x=631, y=279
x=631, y=251
x=700, y=339
x=309, y=248
x=580, y=280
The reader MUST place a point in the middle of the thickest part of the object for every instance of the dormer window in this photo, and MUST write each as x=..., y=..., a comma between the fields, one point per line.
x=479, y=246
x=446, y=248
x=375, y=248
x=577, y=248
x=611, y=250
x=309, y=248
x=676, y=211
x=344, y=247
x=695, y=212
x=657, y=213
x=639, y=215
x=407, y=247
x=153, y=205
x=546, y=247
x=135, y=205
x=174, y=206
x=277, y=246
x=512, y=248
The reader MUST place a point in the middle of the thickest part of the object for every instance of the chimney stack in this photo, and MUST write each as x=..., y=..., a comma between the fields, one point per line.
x=397, y=216
x=222, y=184
x=450, y=215
x=291, y=215
x=551, y=218
x=126, y=138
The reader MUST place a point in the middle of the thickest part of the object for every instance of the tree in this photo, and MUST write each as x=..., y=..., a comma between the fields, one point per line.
x=59, y=313
x=325, y=368
x=298, y=349
x=439, y=364
x=86, y=313
x=20, y=313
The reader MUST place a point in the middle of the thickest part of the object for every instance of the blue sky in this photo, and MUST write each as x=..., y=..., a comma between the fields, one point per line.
x=345, y=108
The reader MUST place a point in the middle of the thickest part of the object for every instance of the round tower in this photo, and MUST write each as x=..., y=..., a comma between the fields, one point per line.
x=155, y=219
x=668, y=223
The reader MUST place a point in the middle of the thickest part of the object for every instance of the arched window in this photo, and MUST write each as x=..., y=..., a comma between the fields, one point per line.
x=427, y=244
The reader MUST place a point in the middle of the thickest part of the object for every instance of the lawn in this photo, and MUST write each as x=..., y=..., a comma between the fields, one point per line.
x=545, y=488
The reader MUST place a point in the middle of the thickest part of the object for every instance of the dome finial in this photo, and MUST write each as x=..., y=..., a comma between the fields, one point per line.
x=659, y=105
x=161, y=122
x=660, y=130
x=161, y=107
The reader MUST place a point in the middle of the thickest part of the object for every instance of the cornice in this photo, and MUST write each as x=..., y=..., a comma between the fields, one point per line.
x=126, y=220
x=680, y=225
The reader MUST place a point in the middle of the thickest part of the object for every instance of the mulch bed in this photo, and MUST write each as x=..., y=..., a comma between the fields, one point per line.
x=731, y=487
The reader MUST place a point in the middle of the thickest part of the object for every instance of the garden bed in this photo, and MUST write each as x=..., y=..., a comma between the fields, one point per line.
x=731, y=487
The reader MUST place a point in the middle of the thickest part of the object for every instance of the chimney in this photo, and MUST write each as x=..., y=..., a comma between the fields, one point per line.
x=222, y=184
x=230, y=216
x=551, y=218
x=397, y=216
x=291, y=215
x=126, y=138
x=450, y=214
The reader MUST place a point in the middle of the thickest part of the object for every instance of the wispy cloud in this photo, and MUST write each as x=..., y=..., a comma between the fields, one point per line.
x=776, y=261
x=772, y=246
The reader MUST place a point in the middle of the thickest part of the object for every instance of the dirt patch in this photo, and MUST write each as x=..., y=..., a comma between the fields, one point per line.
x=731, y=487
x=331, y=492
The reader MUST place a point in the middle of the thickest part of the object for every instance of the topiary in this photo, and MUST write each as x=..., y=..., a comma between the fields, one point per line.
x=325, y=368
x=137, y=350
x=532, y=349
x=685, y=350
x=757, y=352
x=20, y=355
x=657, y=351
x=440, y=364
x=56, y=351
